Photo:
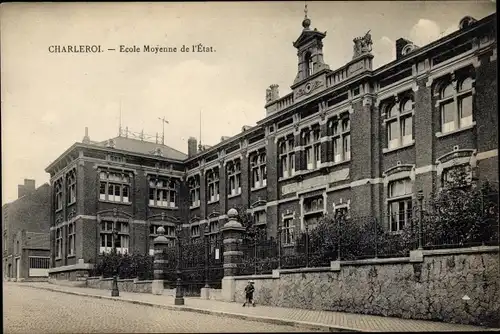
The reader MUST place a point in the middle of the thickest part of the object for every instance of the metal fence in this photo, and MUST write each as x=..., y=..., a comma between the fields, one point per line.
x=450, y=223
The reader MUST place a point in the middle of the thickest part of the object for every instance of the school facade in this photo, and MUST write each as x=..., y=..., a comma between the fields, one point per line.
x=353, y=139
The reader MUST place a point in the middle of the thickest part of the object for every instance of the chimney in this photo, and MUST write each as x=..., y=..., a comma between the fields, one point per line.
x=26, y=188
x=245, y=128
x=192, y=143
x=86, y=138
x=223, y=138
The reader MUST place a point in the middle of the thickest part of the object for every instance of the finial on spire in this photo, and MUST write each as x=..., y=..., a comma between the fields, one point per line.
x=307, y=22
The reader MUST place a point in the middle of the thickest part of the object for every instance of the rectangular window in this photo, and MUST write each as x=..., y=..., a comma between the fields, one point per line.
x=58, y=194
x=393, y=134
x=194, y=190
x=465, y=111
x=234, y=177
x=260, y=217
x=287, y=156
x=114, y=187
x=312, y=147
x=339, y=128
x=120, y=240
x=448, y=115
x=71, y=239
x=59, y=242
x=258, y=167
x=400, y=203
x=288, y=231
x=347, y=147
x=71, y=186
x=407, y=130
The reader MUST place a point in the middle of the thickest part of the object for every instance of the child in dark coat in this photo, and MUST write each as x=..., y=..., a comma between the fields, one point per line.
x=249, y=289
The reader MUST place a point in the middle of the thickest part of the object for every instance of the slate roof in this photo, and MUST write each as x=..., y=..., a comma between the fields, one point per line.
x=144, y=147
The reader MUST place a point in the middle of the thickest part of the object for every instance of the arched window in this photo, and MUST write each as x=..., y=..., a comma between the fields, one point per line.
x=456, y=105
x=399, y=122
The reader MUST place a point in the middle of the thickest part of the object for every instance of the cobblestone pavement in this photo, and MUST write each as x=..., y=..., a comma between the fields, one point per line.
x=324, y=319
x=28, y=310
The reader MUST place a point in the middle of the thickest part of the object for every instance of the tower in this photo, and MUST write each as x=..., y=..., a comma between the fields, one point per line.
x=309, y=47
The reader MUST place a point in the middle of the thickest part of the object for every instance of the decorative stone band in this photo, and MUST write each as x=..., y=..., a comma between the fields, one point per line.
x=233, y=253
x=231, y=241
x=160, y=261
x=230, y=265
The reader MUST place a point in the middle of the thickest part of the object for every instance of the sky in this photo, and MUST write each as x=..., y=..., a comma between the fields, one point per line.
x=48, y=99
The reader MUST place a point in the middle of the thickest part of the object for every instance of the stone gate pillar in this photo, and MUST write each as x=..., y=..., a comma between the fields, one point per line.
x=160, y=246
x=232, y=232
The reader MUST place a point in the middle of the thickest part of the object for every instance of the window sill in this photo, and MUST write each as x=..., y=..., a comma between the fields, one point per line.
x=388, y=150
x=70, y=204
x=468, y=127
x=212, y=202
x=58, y=258
x=308, y=213
x=233, y=196
x=194, y=207
x=163, y=207
x=287, y=178
x=71, y=256
x=58, y=210
x=258, y=188
x=288, y=245
x=115, y=202
x=333, y=164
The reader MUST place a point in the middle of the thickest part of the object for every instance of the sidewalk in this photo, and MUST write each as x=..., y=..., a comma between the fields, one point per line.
x=324, y=320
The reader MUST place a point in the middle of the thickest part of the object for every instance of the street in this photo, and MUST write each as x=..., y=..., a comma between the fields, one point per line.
x=28, y=310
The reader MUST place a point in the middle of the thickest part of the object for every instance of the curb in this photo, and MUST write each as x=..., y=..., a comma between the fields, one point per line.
x=275, y=321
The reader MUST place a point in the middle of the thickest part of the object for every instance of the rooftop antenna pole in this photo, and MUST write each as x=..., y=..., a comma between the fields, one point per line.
x=163, y=120
x=120, y=124
x=200, y=146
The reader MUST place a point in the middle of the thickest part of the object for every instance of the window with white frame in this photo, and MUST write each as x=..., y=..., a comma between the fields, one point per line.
x=313, y=208
x=58, y=191
x=71, y=186
x=341, y=212
x=195, y=231
x=456, y=104
x=339, y=128
x=287, y=231
x=59, y=243
x=213, y=184
x=258, y=168
x=106, y=236
x=234, y=177
x=286, y=149
x=400, y=203
x=114, y=186
x=399, y=122
x=312, y=147
x=162, y=191
x=194, y=190
x=71, y=239
x=457, y=176
x=213, y=228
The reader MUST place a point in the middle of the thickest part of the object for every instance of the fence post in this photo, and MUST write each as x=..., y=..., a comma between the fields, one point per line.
x=160, y=246
x=376, y=236
x=420, y=198
x=232, y=232
x=279, y=246
x=307, y=245
x=339, y=231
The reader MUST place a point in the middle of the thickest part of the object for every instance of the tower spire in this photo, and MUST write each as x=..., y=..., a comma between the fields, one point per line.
x=305, y=9
x=306, y=23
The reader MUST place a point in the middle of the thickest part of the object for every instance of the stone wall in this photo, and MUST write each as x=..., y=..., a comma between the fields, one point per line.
x=430, y=286
x=126, y=285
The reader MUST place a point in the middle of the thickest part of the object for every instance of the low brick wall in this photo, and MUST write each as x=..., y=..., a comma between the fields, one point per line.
x=126, y=285
x=430, y=287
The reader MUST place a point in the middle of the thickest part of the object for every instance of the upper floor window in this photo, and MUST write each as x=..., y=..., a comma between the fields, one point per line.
x=456, y=104
x=213, y=184
x=121, y=236
x=162, y=191
x=195, y=231
x=399, y=122
x=340, y=130
x=286, y=149
x=194, y=190
x=58, y=190
x=312, y=147
x=234, y=177
x=71, y=186
x=71, y=239
x=260, y=217
x=259, y=171
x=114, y=186
x=399, y=203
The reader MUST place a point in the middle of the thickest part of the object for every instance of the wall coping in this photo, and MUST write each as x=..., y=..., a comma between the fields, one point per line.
x=376, y=261
x=469, y=250
x=72, y=267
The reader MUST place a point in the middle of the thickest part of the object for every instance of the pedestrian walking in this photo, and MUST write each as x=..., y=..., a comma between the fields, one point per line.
x=249, y=290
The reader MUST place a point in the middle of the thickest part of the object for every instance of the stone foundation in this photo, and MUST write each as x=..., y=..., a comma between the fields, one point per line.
x=431, y=288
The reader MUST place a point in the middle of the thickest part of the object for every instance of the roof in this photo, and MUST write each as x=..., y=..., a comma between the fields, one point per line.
x=144, y=147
